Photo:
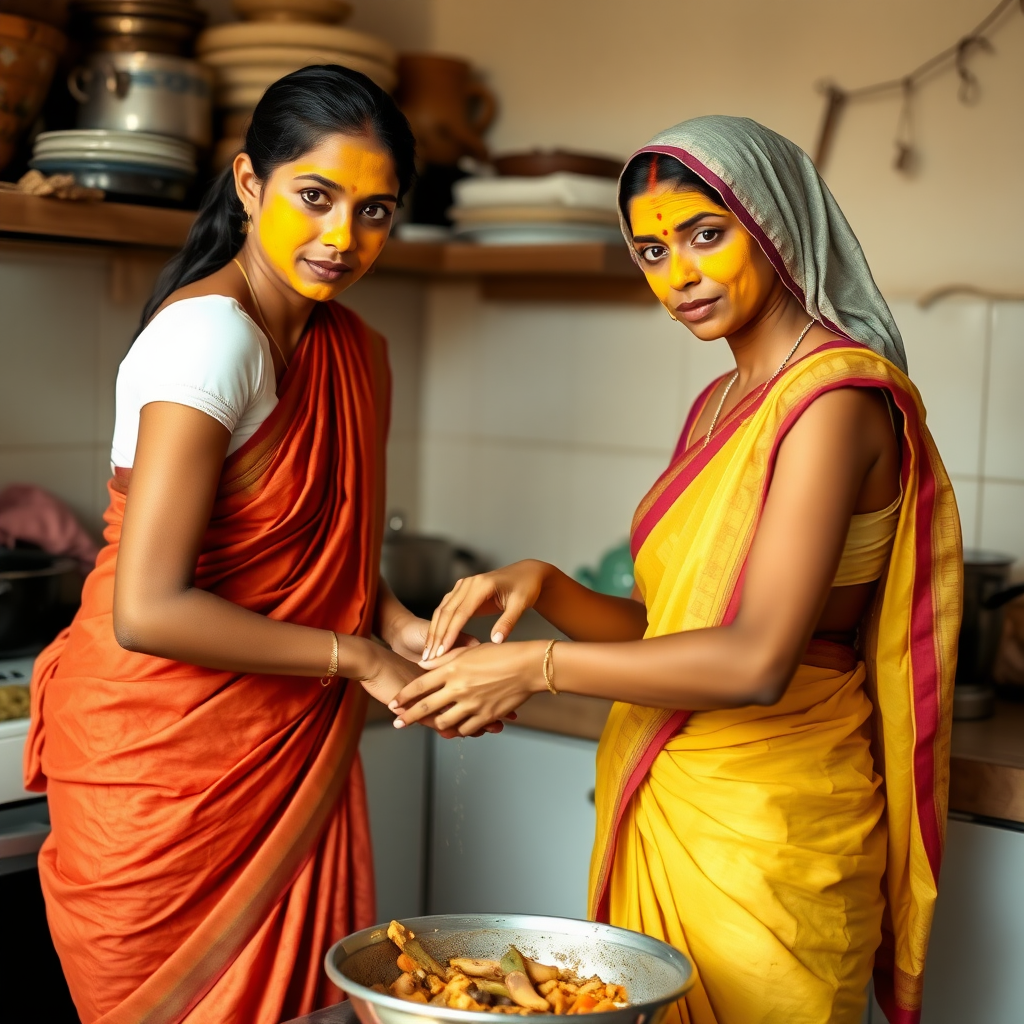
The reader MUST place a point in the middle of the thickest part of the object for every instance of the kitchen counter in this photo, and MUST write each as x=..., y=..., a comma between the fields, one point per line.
x=986, y=771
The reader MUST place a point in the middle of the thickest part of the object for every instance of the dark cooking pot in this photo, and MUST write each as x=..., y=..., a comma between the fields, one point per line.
x=38, y=592
x=985, y=593
x=419, y=569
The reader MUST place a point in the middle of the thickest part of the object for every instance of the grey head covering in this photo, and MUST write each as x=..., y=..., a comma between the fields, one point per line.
x=772, y=186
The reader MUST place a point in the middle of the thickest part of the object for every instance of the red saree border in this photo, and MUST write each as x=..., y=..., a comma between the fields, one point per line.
x=924, y=660
x=686, y=465
x=696, y=410
x=639, y=772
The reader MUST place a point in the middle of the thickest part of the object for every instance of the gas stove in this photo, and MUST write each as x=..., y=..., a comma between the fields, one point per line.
x=14, y=671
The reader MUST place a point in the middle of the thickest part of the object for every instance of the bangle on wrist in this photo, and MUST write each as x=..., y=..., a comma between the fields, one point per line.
x=332, y=668
x=548, y=668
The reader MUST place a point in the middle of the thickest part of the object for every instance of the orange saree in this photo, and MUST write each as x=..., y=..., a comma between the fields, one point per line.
x=210, y=834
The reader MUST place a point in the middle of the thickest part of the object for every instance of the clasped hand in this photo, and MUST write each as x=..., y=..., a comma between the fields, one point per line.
x=469, y=689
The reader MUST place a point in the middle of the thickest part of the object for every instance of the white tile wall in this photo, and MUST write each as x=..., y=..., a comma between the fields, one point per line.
x=61, y=337
x=67, y=318
x=544, y=424
x=1004, y=435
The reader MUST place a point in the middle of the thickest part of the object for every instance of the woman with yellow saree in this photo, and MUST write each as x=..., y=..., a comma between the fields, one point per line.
x=771, y=790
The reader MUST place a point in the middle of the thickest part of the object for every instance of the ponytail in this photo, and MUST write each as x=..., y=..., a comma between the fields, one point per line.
x=295, y=115
x=214, y=239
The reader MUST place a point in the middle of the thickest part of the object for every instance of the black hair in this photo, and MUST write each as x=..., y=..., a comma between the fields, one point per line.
x=648, y=169
x=294, y=116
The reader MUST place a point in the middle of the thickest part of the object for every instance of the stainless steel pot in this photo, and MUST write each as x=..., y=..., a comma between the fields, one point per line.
x=654, y=973
x=419, y=569
x=985, y=593
x=145, y=92
x=37, y=595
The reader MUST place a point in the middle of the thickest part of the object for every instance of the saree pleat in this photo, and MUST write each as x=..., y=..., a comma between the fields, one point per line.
x=792, y=849
x=210, y=833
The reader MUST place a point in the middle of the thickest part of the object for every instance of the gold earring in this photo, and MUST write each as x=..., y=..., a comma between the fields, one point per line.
x=246, y=221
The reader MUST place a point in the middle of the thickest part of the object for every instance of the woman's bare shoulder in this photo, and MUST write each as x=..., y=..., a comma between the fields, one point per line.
x=220, y=282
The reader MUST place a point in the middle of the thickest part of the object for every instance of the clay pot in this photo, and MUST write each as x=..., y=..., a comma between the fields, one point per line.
x=449, y=111
x=31, y=49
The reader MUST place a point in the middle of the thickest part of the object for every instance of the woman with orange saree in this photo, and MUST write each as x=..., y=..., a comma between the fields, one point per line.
x=772, y=779
x=196, y=728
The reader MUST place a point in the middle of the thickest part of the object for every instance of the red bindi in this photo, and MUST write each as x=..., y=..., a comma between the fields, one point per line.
x=664, y=232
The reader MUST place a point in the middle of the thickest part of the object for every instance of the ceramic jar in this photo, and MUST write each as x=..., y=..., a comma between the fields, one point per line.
x=449, y=111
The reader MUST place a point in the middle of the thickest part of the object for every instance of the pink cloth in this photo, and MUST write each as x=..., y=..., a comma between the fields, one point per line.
x=28, y=513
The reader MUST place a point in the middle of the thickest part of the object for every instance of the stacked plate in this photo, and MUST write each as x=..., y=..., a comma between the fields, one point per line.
x=247, y=57
x=137, y=166
x=552, y=208
x=130, y=26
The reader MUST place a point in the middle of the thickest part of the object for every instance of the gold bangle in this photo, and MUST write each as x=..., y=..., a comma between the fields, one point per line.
x=549, y=668
x=332, y=668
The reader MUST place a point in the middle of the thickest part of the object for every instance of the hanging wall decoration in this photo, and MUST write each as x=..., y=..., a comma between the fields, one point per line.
x=957, y=56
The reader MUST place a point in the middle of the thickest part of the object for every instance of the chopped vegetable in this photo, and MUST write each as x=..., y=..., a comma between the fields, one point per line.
x=477, y=968
x=515, y=985
x=539, y=973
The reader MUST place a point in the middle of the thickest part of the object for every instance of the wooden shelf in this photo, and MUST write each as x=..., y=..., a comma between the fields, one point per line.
x=582, y=272
x=111, y=223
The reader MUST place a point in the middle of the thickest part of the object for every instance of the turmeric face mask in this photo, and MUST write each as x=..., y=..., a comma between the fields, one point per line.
x=700, y=261
x=324, y=218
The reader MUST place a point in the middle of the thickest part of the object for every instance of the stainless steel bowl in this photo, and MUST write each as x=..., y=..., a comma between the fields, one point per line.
x=653, y=972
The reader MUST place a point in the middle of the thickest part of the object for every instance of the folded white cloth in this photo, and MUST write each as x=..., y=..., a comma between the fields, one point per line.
x=562, y=189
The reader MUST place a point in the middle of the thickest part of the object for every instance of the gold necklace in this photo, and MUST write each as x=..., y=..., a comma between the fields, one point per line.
x=263, y=319
x=732, y=380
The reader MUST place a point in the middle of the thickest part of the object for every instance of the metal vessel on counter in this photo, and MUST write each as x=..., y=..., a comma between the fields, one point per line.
x=985, y=595
x=36, y=589
x=653, y=972
x=145, y=92
x=419, y=569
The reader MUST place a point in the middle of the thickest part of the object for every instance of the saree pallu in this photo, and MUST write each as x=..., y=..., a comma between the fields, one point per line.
x=788, y=849
x=210, y=833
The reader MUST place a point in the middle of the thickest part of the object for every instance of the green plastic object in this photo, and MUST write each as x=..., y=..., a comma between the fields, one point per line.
x=613, y=575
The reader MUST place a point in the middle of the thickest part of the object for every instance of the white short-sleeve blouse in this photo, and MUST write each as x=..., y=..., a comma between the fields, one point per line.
x=206, y=353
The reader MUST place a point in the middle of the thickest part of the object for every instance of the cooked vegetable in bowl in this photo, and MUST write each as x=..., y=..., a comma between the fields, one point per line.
x=514, y=984
x=465, y=968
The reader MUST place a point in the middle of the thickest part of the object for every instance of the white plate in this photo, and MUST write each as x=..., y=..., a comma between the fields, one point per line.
x=114, y=157
x=276, y=33
x=562, y=189
x=263, y=72
x=468, y=215
x=536, y=234
x=100, y=138
x=117, y=153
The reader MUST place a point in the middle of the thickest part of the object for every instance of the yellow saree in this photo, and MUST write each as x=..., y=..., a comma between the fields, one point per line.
x=788, y=850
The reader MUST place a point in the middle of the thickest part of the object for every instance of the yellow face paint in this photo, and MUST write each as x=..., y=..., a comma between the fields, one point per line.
x=324, y=219
x=714, y=254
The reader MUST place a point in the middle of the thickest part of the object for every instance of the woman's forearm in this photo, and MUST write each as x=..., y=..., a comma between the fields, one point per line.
x=203, y=629
x=697, y=670
x=389, y=613
x=584, y=615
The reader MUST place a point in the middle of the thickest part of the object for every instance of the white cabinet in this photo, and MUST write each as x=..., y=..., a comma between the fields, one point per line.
x=396, y=763
x=513, y=824
x=975, y=971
